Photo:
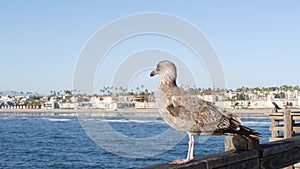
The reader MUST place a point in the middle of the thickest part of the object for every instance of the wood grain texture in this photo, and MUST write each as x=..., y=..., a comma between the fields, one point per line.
x=275, y=154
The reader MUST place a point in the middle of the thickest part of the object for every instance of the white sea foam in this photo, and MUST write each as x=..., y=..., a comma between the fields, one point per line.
x=256, y=123
x=156, y=121
x=57, y=119
x=131, y=120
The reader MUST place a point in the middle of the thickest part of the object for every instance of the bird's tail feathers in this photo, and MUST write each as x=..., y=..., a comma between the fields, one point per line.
x=243, y=130
x=247, y=132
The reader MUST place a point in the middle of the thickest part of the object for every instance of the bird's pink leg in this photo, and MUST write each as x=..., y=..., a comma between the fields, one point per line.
x=190, y=154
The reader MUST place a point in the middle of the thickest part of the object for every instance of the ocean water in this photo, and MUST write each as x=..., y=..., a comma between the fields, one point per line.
x=61, y=142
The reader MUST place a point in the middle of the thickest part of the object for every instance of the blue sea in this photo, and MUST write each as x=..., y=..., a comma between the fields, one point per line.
x=61, y=142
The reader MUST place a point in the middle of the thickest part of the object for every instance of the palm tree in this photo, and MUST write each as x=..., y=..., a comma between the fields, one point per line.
x=111, y=88
x=121, y=90
x=105, y=89
x=68, y=92
x=125, y=91
x=146, y=95
x=101, y=91
x=142, y=87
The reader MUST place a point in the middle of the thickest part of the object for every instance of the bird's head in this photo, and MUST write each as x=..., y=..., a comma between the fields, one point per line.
x=165, y=69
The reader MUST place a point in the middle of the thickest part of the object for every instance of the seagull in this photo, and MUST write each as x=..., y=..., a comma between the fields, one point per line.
x=191, y=114
x=276, y=107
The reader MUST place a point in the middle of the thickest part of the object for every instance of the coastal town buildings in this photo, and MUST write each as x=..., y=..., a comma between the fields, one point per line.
x=241, y=98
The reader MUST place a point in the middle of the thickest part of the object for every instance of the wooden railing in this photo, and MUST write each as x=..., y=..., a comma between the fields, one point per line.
x=284, y=124
x=276, y=154
x=282, y=151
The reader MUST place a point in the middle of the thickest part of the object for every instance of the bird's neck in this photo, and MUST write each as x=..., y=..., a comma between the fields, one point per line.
x=166, y=83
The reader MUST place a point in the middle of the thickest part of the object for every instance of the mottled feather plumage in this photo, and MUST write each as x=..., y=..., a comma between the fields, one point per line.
x=191, y=114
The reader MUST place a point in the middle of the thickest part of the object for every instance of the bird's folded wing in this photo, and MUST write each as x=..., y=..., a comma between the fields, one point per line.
x=198, y=107
x=190, y=102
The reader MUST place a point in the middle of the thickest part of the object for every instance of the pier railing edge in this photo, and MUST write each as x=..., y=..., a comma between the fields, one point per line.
x=275, y=154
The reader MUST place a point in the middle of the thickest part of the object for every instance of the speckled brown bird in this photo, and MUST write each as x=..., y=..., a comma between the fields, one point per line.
x=191, y=114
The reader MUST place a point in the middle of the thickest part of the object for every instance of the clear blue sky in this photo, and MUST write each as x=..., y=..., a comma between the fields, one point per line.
x=257, y=41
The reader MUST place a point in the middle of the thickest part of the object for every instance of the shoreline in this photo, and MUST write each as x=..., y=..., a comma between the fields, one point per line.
x=120, y=112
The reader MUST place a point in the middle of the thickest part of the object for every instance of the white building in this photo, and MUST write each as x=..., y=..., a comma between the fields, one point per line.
x=51, y=105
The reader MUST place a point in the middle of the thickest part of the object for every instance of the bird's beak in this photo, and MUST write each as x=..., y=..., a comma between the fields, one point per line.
x=153, y=73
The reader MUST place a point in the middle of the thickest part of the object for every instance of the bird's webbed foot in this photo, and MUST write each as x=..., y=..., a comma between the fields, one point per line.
x=182, y=161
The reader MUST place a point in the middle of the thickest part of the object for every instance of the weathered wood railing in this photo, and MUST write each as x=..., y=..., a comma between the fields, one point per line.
x=285, y=125
x=284, y=151
x=270, y=155
x=285, y=122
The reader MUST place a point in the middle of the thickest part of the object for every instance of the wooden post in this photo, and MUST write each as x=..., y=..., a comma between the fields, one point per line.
x=237, y=142
x=288, y=130
x=275, y=133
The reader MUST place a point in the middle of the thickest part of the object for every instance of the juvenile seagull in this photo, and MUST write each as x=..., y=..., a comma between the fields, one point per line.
x=191, y=114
